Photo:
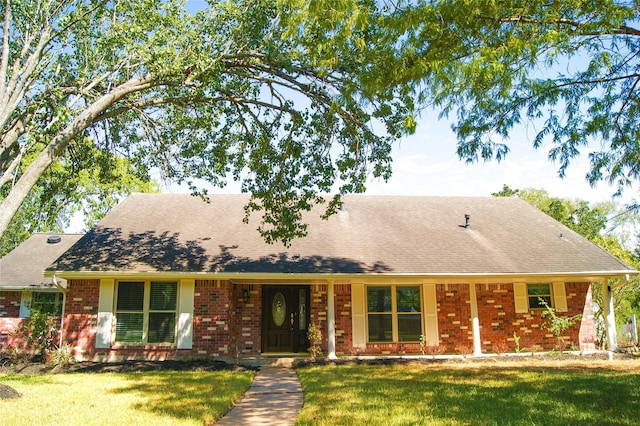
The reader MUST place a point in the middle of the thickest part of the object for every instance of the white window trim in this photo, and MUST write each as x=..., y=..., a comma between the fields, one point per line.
x=145, y=314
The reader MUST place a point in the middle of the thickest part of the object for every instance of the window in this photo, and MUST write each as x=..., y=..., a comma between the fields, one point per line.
x=49, y=303
x=146, y=312
x=538, y=295
x=394, y=314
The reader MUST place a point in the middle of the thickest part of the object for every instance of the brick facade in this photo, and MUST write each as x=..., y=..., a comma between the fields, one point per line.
x=228, y=321
x=9, y=318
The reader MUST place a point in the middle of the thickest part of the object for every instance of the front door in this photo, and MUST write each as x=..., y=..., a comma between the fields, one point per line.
x=285, y=318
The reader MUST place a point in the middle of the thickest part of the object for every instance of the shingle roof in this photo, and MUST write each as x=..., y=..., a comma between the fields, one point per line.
x=23, y=268
x=371, y=234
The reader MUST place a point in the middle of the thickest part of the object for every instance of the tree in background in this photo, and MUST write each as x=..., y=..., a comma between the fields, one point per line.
x=604, y=224
x=281, y=95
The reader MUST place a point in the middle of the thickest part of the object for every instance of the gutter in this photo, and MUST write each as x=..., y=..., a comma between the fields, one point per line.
x=592, y=276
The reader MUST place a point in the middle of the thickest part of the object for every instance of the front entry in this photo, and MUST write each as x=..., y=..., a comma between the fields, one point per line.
x=285, y=318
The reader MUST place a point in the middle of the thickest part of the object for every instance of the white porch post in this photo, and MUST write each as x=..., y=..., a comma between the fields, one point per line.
x=475, y=320
x=331, y=322
x=609, y=317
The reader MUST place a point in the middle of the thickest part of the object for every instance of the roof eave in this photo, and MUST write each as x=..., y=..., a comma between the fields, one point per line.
x=591, y=276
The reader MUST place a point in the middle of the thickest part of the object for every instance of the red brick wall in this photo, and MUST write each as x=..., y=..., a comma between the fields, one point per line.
x=80, y=316
x=454, y=318
x=9, y=317
x=227, y=326
x=499, y=321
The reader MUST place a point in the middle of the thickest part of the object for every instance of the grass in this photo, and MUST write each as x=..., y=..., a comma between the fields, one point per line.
x=140, y=398
x=603, y=393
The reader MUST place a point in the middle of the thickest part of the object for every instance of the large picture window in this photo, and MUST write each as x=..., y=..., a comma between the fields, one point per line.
x=538, y=295
x=394, y=313
x=146, y=312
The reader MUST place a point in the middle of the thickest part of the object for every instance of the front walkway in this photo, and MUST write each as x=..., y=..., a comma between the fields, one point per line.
x=274, y=398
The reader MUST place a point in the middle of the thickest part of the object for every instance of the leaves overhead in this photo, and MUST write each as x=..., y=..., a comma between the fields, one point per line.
x=269, y=92
x=570, y=69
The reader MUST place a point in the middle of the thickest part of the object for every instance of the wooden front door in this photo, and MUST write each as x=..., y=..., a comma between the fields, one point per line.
x=285, y=318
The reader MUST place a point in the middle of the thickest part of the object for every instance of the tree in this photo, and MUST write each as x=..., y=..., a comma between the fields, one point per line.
x=569, y=69
x=282, y=95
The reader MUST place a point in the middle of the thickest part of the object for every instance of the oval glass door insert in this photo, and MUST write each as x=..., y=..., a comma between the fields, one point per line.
x=278, y=309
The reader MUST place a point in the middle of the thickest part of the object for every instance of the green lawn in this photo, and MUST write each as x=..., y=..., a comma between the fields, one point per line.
x=140, y=398
x=473, y=395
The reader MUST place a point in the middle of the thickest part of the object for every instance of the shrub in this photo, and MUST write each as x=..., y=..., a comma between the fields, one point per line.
x=314, y=335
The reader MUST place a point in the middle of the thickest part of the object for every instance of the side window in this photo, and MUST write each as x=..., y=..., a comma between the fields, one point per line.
x=49, y=303
x=538, y=295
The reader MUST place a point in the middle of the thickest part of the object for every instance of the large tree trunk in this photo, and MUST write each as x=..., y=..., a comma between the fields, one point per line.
x=85, y=119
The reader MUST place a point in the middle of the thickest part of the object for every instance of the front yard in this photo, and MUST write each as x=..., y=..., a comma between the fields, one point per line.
x=526, y=391
x=509, y=393
x=127, y=398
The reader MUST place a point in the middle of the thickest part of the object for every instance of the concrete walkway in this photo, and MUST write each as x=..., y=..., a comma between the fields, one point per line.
x=274, y=398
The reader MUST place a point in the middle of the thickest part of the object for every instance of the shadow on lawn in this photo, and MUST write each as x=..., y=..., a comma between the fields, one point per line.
x=419, y=395
x=203, y=396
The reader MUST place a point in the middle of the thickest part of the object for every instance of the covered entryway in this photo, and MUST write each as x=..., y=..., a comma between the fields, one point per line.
x=285, y=318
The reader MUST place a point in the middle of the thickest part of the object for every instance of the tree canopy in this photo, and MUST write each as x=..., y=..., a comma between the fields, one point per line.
x=278, y=94
x=301, y=98
x=569, y=69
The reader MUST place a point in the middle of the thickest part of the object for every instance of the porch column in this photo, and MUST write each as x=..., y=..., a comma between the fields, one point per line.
x=609, y=317
x=331, y=322
x=475, y=320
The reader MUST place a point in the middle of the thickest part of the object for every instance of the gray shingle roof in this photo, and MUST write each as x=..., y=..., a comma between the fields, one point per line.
x=23, y=267
x=371, y=234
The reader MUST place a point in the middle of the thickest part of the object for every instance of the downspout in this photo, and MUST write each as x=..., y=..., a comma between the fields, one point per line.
x=55, y=282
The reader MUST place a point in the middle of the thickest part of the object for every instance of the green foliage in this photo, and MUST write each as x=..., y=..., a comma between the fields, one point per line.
x=516, y=342
x=61, y=356
x=290, y=98
x=39, y=332
x=566, y=68
x=557, y=324
x=314, y=335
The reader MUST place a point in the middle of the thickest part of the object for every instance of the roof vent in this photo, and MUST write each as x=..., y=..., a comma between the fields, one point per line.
x=54, y=239
x=467, y=224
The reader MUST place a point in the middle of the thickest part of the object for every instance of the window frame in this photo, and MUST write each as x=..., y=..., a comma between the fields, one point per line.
x=146, y=311
x=56, y=305
x=549, y=296
x=394, y=312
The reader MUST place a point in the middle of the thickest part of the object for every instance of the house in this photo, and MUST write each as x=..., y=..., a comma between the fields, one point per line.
x=23, y=284
x=167, y=276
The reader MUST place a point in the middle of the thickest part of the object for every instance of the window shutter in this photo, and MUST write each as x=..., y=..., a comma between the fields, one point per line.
x=560, y=297
x=431, y=314
x=105, y=313
x=185, y=314
x=358, y=316
x=520, y=297
x=25, y=304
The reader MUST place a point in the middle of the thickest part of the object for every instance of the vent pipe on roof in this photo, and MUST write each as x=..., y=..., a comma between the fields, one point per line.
x=467, y=217
x=53, y=239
